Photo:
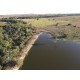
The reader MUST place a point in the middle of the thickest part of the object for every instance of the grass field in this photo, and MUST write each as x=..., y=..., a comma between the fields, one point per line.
x=45, y=22
x=56, y=21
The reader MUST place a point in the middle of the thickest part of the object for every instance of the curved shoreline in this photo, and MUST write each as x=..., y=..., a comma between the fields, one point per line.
x=24, y=52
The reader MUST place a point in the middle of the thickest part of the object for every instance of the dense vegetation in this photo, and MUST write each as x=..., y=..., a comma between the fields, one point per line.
x=13, y=36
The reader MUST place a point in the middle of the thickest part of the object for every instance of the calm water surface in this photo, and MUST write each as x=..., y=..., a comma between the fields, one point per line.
x=50, y=54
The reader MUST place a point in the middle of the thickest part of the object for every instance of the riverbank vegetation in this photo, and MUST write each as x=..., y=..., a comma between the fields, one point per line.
x=13, y=37
x=65, y=32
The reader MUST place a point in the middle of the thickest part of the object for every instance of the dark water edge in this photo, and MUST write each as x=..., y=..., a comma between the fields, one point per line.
x=50, y=54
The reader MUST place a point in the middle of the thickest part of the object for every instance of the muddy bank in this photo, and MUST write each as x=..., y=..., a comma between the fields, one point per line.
x=23, y=53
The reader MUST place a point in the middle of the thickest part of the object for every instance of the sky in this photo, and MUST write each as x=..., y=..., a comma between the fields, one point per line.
x=39, y=6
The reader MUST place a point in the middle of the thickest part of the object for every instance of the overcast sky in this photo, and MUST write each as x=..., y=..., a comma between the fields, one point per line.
x=39, y=6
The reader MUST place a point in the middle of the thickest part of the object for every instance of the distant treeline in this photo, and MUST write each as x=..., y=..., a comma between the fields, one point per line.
x=45, y=16
x=25, y=16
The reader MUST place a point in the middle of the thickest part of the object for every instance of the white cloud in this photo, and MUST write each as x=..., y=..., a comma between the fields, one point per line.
x=39, y=6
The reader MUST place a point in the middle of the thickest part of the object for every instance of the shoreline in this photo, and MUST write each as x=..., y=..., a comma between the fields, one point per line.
x=24, y=52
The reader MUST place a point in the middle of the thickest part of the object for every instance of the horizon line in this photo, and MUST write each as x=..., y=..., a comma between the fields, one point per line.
x=37, y=14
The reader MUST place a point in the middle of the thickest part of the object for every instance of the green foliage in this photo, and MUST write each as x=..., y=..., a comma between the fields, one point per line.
x=12, y=38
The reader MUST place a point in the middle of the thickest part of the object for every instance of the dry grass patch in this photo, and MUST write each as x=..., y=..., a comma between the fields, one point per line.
x=44, y=22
